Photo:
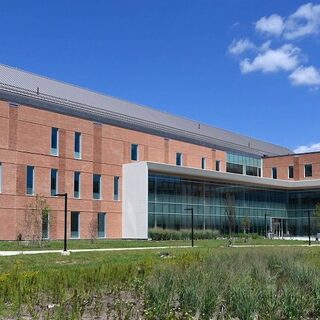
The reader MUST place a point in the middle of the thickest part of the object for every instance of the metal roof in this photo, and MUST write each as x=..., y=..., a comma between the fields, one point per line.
x=41, y=92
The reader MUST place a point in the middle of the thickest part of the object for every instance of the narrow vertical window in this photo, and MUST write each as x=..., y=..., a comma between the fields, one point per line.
x=77, y=145
x=116, y=188
x=45, y=226
x=274, y=173
x=75, y=224
x=55, y=141
x=308, y=170
x=134, y=152
x=30, y=180
x=217, y=165
x=179, y=159
x=76, y=185
x=290, y=172
x=96, y=186
x=203, y=163
x=0, y=177
x=54, y=182
x=101, y=225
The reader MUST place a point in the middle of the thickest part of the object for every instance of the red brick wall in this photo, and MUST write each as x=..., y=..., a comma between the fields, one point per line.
x=25, y=139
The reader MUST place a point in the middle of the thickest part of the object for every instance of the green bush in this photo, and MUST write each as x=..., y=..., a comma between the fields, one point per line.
x=168, y=234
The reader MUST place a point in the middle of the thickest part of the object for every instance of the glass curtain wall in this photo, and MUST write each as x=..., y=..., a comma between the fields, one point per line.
x=170, y=196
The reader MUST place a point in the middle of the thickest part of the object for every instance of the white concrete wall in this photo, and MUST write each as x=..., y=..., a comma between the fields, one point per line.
x=135, y=201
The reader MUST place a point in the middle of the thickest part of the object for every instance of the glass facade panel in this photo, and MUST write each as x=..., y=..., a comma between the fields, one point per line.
x=30, y=180
x=134, y=152
x=76, y=184
x=253, y=206
x=75, y=224
x=101, y=225
x=234, y=168
x=54, y=182
x=96, y=186
x=55, y=141
x=77, y=145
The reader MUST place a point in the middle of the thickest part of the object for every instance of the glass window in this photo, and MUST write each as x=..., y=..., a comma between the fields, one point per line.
x=179, y=159
x=45, y=226
x=96, y=186
x=0, y=177
x=290, y=172
x=251, y=171
x=274, y=173
x=217, y=165
x=101, y=225
x=134, y=152
x=55, y=141
x=234, y=168
x=116, y=188
x=30, y=180
x=203, y=163
x=308, y=170
x=77, y=145
x=75, y=224
x=76, y=185
x=54, y=182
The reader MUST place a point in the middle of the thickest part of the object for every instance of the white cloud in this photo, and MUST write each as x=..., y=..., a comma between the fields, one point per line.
x=273, y=25
x=240, y=46
x=309, y=76
x=305, y=21
x=311, y=148
x=285, y=58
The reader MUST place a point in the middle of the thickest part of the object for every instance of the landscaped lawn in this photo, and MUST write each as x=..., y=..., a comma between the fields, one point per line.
x=210, y=281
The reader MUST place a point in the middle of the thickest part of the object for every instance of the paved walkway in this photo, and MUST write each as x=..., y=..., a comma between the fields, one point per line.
x=15, y=253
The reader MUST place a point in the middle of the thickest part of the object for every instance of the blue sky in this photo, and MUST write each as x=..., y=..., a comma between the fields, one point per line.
x=248, y=66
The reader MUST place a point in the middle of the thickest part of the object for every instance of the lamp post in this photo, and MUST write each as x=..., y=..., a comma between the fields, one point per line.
x=65, y=195
x=191, y=209
x=309, y=228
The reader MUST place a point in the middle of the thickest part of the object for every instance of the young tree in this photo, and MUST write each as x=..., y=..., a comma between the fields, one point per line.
x=246, y=223
x=93, y=228
x=230, y=211
x=36, y=213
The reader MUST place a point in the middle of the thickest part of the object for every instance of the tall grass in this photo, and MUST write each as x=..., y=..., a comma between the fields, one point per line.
x=201, y=284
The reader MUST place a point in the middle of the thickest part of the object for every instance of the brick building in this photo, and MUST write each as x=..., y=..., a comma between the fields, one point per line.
x=127, y=168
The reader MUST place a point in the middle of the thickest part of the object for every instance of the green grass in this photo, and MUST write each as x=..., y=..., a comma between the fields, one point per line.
x=211, y=281
x=99, y=244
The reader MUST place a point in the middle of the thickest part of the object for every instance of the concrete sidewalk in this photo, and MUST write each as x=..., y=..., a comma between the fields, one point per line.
x=15, y=253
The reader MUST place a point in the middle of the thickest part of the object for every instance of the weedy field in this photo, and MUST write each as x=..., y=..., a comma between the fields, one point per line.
x=199, y=283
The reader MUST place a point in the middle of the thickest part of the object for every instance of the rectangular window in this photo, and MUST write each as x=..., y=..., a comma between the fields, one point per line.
x=101, y=225
x=234, y=168
x=116, y=188
x=134, y=152
x=251, y=171
x=179, y=159
x=96, y=186
x=55, y=141
x=274, y=173
x=45, y=226
x=77, y=145
x=290, y=172
x=76, y=184
x=0, y=177
x=75, y=224
x=30, y=180
x=308, y=170
x=203, y=163
x=54, y=182
x=217, y=165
